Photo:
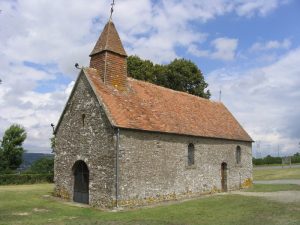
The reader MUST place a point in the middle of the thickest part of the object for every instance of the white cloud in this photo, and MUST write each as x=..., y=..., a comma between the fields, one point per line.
x=194, y=49
x=34, y=111
x=266, y=100
x=68, y=34
x=61, y=33
x=270, y=45
x=153, y=31
x=261, y=7
x=223, y=49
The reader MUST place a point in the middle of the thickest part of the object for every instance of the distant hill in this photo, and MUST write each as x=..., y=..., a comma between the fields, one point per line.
x=29, y=158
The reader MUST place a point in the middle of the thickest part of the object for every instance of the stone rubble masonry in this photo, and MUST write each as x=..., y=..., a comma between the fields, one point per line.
x=152, y=165
x=92, y=142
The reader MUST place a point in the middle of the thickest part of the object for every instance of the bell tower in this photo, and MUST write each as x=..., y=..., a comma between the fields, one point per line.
x=110, y=58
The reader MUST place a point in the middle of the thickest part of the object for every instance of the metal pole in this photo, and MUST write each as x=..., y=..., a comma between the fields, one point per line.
x=117, y=167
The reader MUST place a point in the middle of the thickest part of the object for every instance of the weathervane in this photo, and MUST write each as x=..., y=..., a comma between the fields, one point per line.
x=112, y=9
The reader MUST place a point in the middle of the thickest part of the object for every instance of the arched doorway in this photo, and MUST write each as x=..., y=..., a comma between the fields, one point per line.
x=81, y=182
x=224, y=176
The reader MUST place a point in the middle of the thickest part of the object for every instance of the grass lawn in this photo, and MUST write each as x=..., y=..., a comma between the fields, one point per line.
x=27, y=204
x=273, y=187
x=276, y=174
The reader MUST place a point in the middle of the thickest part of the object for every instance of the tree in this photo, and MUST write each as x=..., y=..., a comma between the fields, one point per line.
x=184, y=75
x=11, y=149
x=296, y=158
x=52, y=143
x=140, y=69
x=180, y=74
x=42, y=166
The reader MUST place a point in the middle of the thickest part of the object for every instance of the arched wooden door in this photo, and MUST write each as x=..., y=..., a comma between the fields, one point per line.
x=81, y=182
x=224, y=176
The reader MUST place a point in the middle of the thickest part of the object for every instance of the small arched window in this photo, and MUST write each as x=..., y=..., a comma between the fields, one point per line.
x=238, y=154
x=83, y=119
x=191, y=154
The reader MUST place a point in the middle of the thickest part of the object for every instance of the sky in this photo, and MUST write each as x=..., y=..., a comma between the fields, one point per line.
x=248, y=49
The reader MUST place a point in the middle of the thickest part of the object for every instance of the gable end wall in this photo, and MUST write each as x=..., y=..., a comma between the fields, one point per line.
x=93, y=142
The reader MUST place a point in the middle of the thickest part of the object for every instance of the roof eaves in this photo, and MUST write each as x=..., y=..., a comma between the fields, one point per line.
x=107, y=50
x=100, y=101
x=237, y=122
x=184, y=134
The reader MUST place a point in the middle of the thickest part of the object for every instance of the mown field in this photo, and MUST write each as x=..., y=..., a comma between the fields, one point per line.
x=276, y=174
x=33, y=204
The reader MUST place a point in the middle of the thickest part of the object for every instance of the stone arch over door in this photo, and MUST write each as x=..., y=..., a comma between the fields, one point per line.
x=81, y=182
x=224, y=176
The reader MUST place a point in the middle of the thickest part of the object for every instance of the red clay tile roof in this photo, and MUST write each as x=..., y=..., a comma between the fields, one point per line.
x=153, y=108
x=109, y=40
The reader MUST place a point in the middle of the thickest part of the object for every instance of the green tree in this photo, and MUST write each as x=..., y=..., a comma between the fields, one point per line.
x=184, y=75
x=11, y=149
x=52, y=143
x=140, y=69
x=42, y=166
x=296, y=158
x=180, y=74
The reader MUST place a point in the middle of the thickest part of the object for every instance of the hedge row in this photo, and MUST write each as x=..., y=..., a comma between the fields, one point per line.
x=275, y=160
x=25, y=178
x=267, y=160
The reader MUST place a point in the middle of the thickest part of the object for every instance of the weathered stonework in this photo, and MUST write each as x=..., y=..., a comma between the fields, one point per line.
x=91, y=141
x=152, y=167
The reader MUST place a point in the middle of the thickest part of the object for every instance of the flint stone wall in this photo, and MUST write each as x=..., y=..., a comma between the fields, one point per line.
x=154, y=166
x=90, y=139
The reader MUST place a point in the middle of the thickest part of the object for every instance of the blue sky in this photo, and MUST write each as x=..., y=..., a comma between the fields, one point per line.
x=248, y=49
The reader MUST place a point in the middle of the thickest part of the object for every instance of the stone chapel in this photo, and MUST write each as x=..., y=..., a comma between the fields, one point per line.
x=122, y=142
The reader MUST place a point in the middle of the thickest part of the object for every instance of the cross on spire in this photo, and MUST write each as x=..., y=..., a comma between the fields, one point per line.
x=112, y=9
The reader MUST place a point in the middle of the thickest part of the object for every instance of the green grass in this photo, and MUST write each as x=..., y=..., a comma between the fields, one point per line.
x=27, y=204
x=276, y=174
x=273, y=187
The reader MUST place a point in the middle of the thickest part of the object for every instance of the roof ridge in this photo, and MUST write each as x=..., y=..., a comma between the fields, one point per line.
x=107, y=38
x=176, y=91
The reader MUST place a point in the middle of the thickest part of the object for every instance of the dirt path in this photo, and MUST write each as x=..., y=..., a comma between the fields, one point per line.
x=279, y=196
x=275, y=167
x=287, y=181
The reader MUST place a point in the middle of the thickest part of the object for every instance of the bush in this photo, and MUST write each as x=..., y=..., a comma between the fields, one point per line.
x=267, y=160
x=296, y=158
x=42, y=166
x=6, y=179
x=275, y=160
x=7, y=171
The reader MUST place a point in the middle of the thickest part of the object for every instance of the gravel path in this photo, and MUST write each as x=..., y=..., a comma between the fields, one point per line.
x=287, y=181
x=275, y=167
x=279, y=196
